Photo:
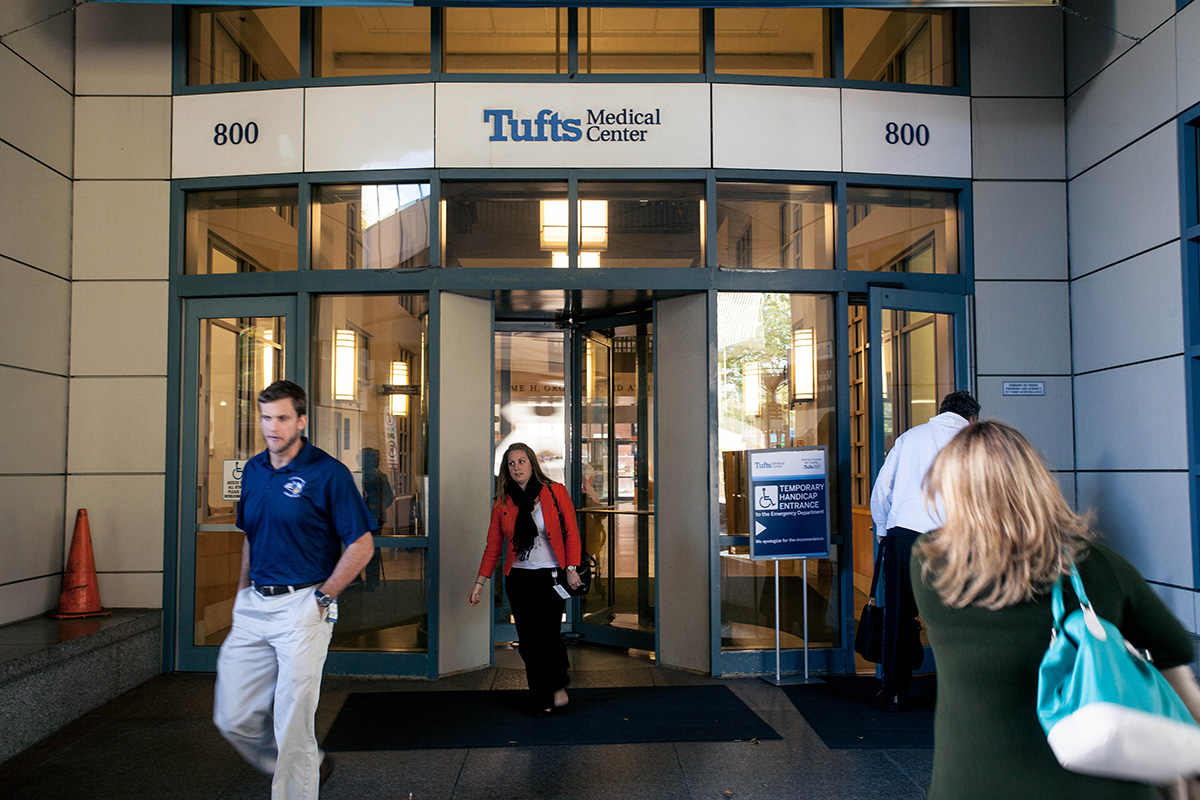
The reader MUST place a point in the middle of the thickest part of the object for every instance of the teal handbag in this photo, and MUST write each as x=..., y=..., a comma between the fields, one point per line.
x=1105, y=708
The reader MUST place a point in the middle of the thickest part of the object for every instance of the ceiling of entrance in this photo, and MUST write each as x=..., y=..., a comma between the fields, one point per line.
x=578, y=305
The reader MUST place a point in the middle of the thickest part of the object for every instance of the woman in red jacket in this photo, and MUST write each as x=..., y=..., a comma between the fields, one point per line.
x=535, y=516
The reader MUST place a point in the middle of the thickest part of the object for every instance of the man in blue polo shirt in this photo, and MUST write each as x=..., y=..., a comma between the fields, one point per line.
x=298, y=507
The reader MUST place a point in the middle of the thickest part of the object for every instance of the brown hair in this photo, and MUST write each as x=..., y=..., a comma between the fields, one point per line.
x=281, y=389
x=504, y=479
x=1008, y=531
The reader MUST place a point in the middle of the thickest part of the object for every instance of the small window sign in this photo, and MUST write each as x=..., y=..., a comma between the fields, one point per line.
x=232, y=479
x=1024, y=389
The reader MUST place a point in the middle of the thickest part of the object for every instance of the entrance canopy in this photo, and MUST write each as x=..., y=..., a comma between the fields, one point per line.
x=630, y=3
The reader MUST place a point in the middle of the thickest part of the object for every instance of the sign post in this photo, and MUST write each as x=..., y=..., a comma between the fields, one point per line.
x=789, y=519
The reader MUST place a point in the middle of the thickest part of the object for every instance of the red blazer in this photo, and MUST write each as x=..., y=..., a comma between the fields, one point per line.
x=504, y=518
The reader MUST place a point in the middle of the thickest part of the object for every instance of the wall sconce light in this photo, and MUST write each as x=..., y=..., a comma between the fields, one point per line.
x=804, y=365
x=268, y=353
x=400, y=378
x=345, y=370
x=752, y=388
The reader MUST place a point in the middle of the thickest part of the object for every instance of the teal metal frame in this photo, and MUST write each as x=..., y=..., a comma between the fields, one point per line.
x=304, y=284
x=1189, y=207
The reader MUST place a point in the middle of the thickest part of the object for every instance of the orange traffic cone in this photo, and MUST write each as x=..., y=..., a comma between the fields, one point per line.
x=80, y=595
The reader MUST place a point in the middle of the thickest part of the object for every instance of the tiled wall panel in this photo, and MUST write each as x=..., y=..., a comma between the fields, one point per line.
x=1103, y=30
x=38, y=116
x=118, y=425
x=34, y=318
x=1126, y=205
x=124, y=50
x=1018, y=138
x=35, y=222
x=1016, y=52
x=1045, y=421
x=1022, y=327
x=125, y=514
x=122, y=230
x=1131, y=417
x=1020, y=230
x=31, y=507
x=1131, y=311
x=33, y=438
x=119, y=328
x=1124, y=102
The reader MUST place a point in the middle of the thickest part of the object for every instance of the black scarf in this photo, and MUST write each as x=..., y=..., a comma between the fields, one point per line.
x=525, y=530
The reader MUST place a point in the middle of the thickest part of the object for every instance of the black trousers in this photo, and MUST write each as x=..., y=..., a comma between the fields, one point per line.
x=899, y=606
x=537, y=612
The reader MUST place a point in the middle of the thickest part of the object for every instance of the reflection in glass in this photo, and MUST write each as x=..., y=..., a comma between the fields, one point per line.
x=527, y=40
x=496, y=224
x=775, y=389
x=242, y=230
x=788, y=42
x=774, y=226
x=644, y=224
x=902, y=230
x=238, y=358
x=914, y=47
x=617, y=495
x=371, y=41
x=624, y=40
x=359, y=341
x=376, y=226
x=243, y=45
x=530, y=379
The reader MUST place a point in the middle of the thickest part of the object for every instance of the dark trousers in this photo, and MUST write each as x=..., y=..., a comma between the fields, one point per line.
x=537, y=612
x=899, y=607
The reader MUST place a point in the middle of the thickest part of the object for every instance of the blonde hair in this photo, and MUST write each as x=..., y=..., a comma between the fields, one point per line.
x=1008, y=531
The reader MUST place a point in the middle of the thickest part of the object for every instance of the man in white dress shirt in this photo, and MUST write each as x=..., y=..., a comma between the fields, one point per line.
x=900, y=516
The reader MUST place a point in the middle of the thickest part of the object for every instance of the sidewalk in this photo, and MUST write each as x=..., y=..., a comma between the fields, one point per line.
x=158, y=741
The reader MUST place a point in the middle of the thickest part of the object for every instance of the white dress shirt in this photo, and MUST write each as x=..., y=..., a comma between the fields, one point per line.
x=896, y=498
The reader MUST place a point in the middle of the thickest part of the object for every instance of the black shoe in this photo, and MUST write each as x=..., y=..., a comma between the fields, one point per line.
x=542, y=713
x=326, y=769
x=890, y=705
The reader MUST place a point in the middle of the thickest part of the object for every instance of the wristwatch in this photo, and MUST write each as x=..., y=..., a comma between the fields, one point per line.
x=324, y=600
x=571, y=568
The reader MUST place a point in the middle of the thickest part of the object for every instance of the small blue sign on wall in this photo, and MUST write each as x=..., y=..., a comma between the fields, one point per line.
x=789, y=503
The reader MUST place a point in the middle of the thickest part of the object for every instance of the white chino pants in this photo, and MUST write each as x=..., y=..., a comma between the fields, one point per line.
x=268, y=685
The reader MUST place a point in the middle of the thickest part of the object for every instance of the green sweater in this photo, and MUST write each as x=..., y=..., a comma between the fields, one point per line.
x=988, y=742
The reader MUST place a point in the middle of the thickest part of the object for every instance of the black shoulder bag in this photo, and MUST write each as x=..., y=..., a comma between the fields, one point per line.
x=584, y=570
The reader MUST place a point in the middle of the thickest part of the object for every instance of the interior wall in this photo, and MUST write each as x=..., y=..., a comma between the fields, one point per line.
x=37, y=98
x=1123, y=98
x=464, y=398
x=118, y=365
x=685, y=483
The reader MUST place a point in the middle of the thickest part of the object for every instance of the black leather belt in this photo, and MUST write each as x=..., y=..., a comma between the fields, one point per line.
x=278, y=589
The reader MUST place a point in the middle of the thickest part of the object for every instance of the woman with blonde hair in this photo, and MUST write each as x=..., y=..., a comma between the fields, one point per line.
x=982, y=584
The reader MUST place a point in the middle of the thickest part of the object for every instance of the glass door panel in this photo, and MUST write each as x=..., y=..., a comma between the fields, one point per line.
x=530, y=407
x=233, y=350
x=922, y=346
x=617, y=494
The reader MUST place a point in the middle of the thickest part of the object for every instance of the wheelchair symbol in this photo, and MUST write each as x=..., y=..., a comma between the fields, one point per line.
x=237, y=472
x=769, y=497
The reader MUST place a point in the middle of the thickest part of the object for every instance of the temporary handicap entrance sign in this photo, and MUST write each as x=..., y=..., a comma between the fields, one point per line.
x=789, y=505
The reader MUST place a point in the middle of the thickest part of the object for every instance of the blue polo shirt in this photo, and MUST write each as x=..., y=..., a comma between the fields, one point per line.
x=296, y=518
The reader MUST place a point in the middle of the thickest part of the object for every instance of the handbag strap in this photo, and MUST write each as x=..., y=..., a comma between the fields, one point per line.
x=875, y=574
x=1056, y=599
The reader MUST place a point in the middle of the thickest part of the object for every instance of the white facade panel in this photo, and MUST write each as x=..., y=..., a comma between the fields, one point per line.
x=125, y=536
x=122, y=137
x=117, y=425
x=238, y=133
x=32, y=509
x=1092, y=43
x=35, y=318
x=368, y=127
x=1141, y=84
x=572, y=125
x=1020, y=230
x=1131, y=311
x=38, y=114
x=122, y=230
x=904, y=133
x=1131, y=418
x=1044, y=420
x=34, y=440
x=123, y=49
x=35, y=222
x=1019, y=138
x=796, y=128
x=119, y=328
x=1022, y=327
x=1017, y=52
x=1126, y=205
x=1187, y=57
x=1145, y=517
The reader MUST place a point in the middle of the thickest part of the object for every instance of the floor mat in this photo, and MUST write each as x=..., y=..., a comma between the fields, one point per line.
x=840, y=711
x=435, y=719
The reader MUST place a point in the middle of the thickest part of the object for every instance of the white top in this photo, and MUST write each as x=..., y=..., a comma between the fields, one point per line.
x=896, y=498
x=541, y=555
